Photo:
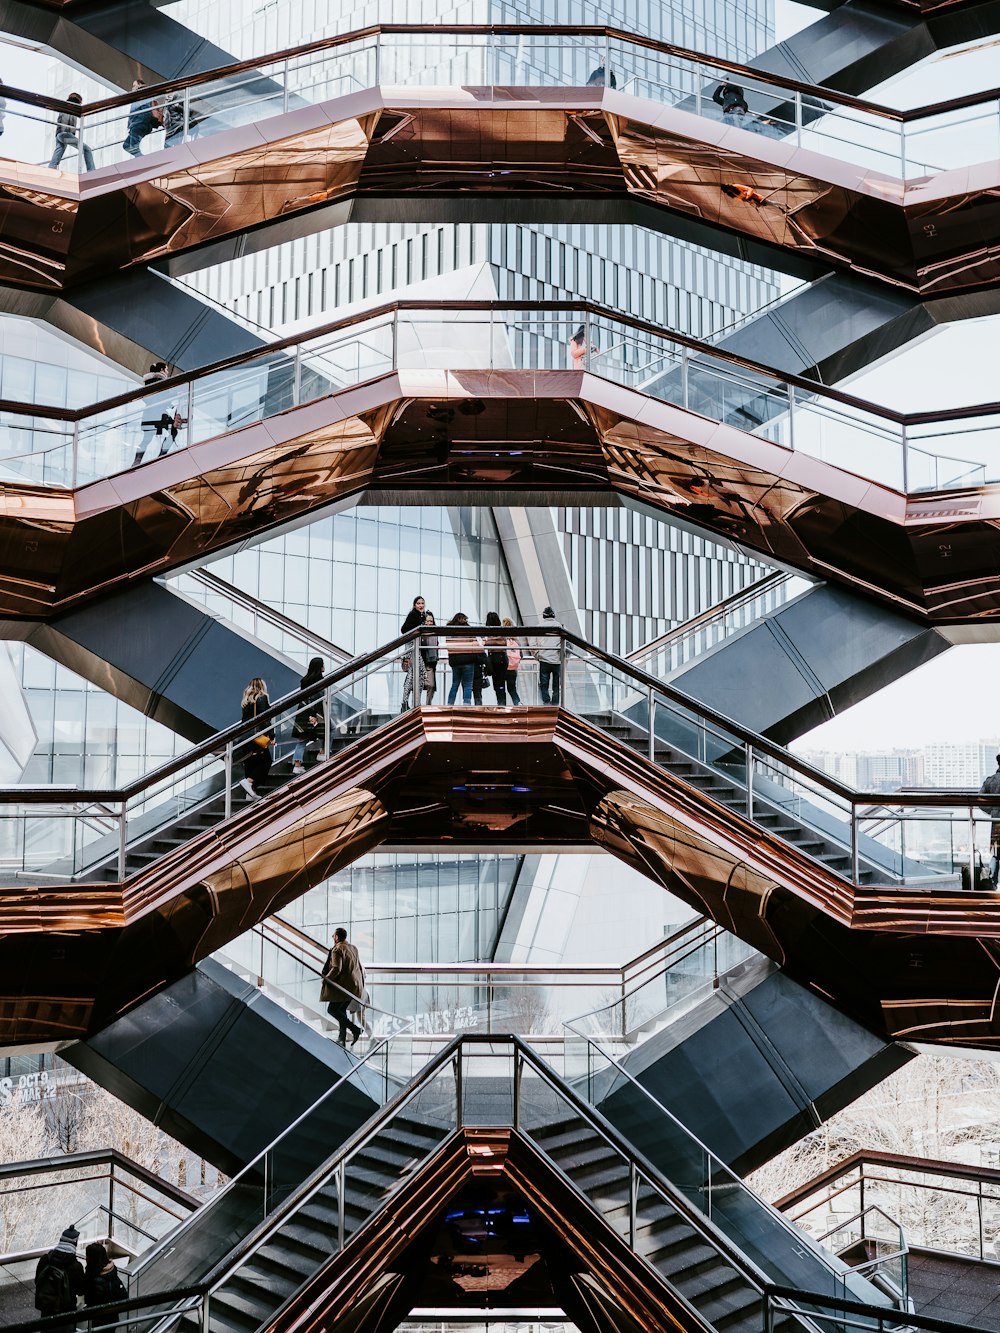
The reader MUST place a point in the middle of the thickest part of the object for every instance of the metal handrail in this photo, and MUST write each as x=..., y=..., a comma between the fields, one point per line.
x=597, y=32
x=931, y=1166
x=98, y=1157
x=771, y=582
x=376, y=970
x=708, y=350
x=309, y=638
x=959, y=799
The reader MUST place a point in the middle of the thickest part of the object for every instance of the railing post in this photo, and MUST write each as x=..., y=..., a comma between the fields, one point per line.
x=458, y=1087
x=229, y=779
x=260, y=970
x=394, y=349
x=563, y=681
x=416, y=674
x=185, y=115
x=748, y=749
x=297, y=376
x=518, y=1070
x=685, y=366
x=75, y=455
x=586, y=330
x=972, y=849
x=122, y=840
x=906, y=460
x=489, y=1001
x=902, y=150
x=650, y=716
x=378, y=60
x=111, y=1207
x=791, y=416
x=624, y=1024
x=607, y=60
x=633, y=1202
x=327, y=706
x=284, y=86
x=189, y=423
x=979, y=1206
x=341, y=1210
x=204, y=1320
x=798, y=119
x=854, y=845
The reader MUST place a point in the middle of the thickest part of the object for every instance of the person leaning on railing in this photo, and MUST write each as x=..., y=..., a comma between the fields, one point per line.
x=513, y=662
x=464, y=655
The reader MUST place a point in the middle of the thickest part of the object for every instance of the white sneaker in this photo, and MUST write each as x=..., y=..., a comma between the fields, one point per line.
x=247, y=786
x=298, y=770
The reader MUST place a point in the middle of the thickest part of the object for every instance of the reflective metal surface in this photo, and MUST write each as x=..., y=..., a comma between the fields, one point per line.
x=930, y=236
x=905, y=963
x=521, y=437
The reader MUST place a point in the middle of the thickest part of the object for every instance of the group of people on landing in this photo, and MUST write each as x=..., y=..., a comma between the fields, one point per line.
x=60, y=1281
x=494, y=656
x=476, y=660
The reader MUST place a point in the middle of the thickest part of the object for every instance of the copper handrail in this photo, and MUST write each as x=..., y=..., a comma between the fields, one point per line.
x=596, y=32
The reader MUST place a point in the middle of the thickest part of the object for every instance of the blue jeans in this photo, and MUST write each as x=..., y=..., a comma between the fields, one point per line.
x=548, y=671
x=64, y=140
x=462, y=675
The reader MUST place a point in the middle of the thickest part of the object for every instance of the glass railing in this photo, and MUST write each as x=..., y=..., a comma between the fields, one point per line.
x=495, y=1083
x=264, y=1189
x=953, y=1207
x=921, y=839
x=246, y=612
x=778, y=1250
x=903, y=145
x=689, y=973
x=680, y=646
x=59, y=835
x=915, y=839
x=440, y=1001
x=874, y=1245
x=59, y=447
x=103, y=1194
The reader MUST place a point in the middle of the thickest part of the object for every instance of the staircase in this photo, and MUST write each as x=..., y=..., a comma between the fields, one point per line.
x=208, y=809
x=304, y=1241
x=698, y=1270
x=731, y=793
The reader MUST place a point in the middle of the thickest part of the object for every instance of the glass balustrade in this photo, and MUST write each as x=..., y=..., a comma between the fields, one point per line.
x=230, y=104
x=922, y=839
x=779, y=1251
x=682, y=645
x=222, y=402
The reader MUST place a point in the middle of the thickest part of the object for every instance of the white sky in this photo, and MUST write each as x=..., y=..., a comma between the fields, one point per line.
x=955, y=697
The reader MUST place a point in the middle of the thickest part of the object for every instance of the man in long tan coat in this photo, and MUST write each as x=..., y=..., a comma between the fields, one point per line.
x=343, y=981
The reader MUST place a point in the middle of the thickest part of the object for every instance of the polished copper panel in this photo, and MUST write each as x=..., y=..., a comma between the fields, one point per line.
x=921, y=966
x=510, y=437
x=930, y=236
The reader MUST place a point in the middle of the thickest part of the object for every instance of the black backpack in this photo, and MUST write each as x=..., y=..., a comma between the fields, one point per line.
x=53, y=1293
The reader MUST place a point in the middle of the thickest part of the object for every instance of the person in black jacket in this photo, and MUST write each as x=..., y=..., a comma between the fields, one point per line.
x=415, y=617
x=730, y=97
x=496, y=652
x=430, y=654
x=308, y=725
x=59, y=1280
x=102, y=1285
x=256, y=756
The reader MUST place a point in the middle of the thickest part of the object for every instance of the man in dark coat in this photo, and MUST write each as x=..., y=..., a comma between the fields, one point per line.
x=991, y=785
x=343, y=981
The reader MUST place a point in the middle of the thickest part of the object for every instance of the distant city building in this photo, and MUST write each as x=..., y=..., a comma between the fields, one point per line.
x=963, y=764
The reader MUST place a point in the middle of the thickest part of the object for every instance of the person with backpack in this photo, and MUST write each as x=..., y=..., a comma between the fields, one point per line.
x=513, y=662
x=59, y=1280
x=102, y=1285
